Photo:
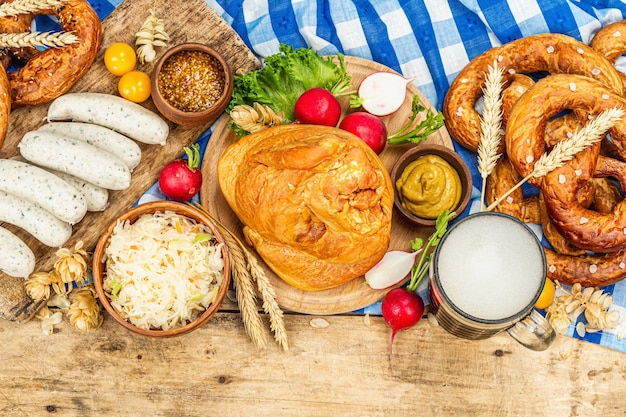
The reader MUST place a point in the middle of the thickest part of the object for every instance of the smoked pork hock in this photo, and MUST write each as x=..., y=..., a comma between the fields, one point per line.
x=316, y=202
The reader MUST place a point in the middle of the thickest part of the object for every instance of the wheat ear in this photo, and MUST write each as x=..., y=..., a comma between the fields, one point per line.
x=18, y=7
x=34, y=39
x=270, y=306
x=563, y=151
x=247, y=270
x=490, y=125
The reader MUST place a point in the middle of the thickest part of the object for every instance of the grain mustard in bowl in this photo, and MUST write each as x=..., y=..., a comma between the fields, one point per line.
x=161, y=269
x=191, y=84
x=428, y=179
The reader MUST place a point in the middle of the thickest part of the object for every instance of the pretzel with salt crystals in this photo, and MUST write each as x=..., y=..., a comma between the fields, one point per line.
x=604, y=233
x=52, y=72
x=16, y=24
x=610, y=42
x=552, y=53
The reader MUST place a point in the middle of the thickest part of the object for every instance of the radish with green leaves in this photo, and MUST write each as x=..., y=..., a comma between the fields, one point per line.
x=368, y=127
x=401, y=306
x=381, y=93
x=181, y=179
x=373, y=130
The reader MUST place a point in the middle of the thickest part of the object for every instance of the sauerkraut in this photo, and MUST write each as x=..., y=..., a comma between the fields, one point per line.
x=163, y=270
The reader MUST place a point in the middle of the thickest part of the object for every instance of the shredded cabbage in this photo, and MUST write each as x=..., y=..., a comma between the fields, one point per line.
x=163, y=270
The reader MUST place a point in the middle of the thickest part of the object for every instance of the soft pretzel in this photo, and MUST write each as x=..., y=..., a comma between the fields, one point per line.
x=587, y=270
x=5, y=105
x=52, y=72
x=585, y=228
x=502, y=179
x=552, y=53
x=610, y=42
x=16, y=24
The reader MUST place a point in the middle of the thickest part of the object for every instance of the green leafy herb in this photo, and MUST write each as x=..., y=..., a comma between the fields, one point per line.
x=202, y=237
x=423, y=264
x=285, y=76
x=428, y=126
x=116, y=286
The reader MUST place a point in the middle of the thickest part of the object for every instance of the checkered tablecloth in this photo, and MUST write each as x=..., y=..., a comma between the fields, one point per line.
x=429, y=40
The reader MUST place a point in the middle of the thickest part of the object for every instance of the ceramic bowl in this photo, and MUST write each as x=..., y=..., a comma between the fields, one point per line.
x=173, y=95
x=447, y=154
x=99, y=266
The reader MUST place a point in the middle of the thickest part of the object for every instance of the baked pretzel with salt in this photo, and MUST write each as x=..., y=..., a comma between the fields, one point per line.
x=552, y=53
x=604, y=233
x=53, y=71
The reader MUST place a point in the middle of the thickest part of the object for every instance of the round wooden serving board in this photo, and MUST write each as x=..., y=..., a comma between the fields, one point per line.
x=354, y=294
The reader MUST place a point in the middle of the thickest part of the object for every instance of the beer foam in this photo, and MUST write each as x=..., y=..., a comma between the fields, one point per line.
x=490, y=267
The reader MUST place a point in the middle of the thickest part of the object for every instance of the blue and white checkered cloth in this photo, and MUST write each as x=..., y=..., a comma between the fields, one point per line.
x=428, y=40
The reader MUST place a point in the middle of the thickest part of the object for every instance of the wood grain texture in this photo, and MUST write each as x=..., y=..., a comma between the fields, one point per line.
x=185, y=21
x=354, y=294
x=342, y=370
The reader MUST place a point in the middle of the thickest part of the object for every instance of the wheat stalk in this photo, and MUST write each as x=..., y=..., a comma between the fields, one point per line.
x=245, y=271
x=270, y=306
x=246, y=296
x=17, y=7
x=565, y=150
x=34, y=39
x=490, y=125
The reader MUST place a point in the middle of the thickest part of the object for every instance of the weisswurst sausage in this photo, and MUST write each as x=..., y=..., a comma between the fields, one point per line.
x=16, y=258
x=116, y=113
x=43, y=188
x=77, y=158
x=40, y=223
x=99, y=136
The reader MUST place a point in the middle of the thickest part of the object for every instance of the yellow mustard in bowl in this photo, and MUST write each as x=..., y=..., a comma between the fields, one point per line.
x=429, y=185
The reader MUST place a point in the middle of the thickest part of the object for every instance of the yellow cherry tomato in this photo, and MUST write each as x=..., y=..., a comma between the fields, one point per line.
x=134, y=86
x=547, y=295
x=120, y=58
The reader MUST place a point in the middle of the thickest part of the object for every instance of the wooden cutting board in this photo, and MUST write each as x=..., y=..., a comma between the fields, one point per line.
x=354, y=294
x=185, y=21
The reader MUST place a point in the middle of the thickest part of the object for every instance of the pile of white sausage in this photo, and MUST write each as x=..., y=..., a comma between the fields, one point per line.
x=66, y=168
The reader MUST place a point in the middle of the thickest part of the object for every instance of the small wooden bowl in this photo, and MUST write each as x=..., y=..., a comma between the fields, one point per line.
x=452, y=158
x=188, y=118
x=99, y=266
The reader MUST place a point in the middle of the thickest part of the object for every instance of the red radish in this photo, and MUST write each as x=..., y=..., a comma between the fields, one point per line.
x=401, y=309
x=368, y=127
x=381, y=93
x=317, y=106
x=181, y=179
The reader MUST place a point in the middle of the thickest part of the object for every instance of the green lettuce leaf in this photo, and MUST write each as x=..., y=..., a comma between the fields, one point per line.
x=285, y=76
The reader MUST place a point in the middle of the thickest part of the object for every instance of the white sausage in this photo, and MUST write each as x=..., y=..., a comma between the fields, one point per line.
x=16, y=258
x=77, y=158
x=97, y=197
x=40, y=223
x=116, y=113
x=43, y=188
x=101, y=137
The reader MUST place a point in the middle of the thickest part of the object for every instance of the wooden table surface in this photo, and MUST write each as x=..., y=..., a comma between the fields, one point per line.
x=341, y=370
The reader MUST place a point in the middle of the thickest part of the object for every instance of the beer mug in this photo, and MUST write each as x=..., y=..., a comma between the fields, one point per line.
x=486, y=274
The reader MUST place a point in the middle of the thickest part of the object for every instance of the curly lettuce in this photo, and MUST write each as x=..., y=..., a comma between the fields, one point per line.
x=285, y=76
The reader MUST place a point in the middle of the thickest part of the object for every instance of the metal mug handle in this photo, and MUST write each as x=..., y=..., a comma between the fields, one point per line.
x=533, y=331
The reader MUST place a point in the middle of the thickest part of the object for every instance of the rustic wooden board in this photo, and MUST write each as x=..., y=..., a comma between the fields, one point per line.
x=354, y=294
x=343, y=370
x=185, y=21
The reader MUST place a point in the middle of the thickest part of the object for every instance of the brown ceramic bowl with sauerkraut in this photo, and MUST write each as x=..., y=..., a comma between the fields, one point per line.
x=161, y=269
